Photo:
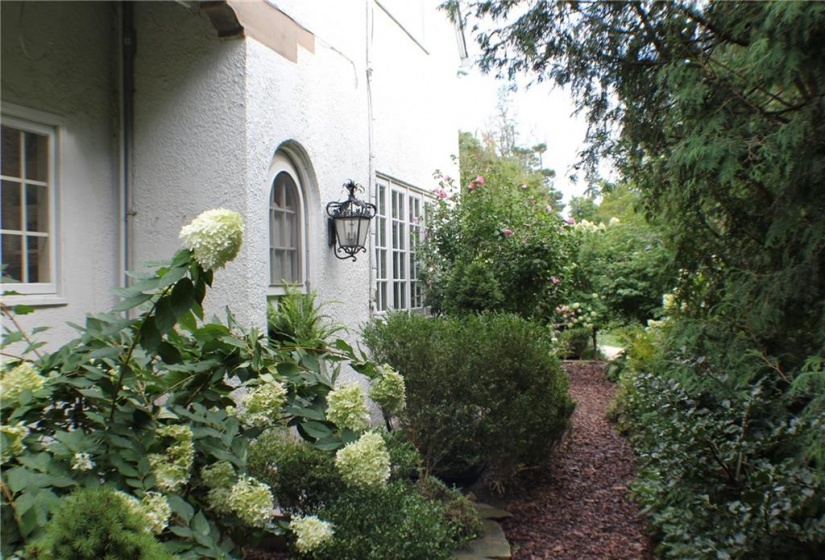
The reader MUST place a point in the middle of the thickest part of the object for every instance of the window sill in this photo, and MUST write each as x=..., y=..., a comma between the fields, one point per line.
x=36, y=300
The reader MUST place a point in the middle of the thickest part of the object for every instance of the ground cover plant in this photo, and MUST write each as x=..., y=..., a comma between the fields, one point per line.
x=484, y=392
x=138, y=412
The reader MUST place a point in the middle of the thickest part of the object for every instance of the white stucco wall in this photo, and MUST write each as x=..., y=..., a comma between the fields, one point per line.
x=190, y=145
x=42, y=44
x=413, y=85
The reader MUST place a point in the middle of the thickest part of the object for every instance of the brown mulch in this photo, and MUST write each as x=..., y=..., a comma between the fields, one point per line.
x=580, y=509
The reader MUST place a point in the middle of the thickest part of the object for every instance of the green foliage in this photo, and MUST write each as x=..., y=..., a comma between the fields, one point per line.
x=497, y=246
x=298, y=318
x=483, y=392
x=573, y=342
x=714, y=112
x=300, y=475
x=392, y=522
x=96, y=524
x=714, y=474
x=459, y=511
x=374, y=523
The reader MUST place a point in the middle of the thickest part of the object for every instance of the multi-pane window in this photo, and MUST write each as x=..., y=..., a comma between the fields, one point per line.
x=27, y=207
x=284, y=232
x=397, y=232
x=286, y=227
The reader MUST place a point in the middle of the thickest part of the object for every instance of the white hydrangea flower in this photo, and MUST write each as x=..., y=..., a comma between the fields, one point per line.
x=218, y=475
x=14, y=440
x=364, y=463
x=347, y=408
x=389, y=390
x=157, y=511
x=82, y=462
x=172, y=468
x=214, y=237
x=262, y=405
x=310, y=532
x=251, y=501
x=22, y=377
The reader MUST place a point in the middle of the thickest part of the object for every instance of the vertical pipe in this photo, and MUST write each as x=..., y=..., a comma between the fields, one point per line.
x=125, y=137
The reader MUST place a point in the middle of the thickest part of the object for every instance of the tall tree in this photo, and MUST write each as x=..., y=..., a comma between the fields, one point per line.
x=716, y=111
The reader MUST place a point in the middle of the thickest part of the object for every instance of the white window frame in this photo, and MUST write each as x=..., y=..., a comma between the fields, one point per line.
x=398, y=227
x=283, y=163
x=37, y=122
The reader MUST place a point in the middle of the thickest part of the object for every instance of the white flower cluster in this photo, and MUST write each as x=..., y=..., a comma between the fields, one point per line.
x=389, y=390
x=587, y=225
x=22, y=377
x=262, y=405
x=347, y=408
x=13, y=444
x=310, y=532
x=82, y=462
x=214, y=237
x=153, y=509
x=364, y=463
x=172, y=468
x=246, y=497
x=251, y=501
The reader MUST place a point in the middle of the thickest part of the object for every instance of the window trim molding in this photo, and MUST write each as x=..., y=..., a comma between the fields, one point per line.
x=41, y=122
x=284, y=161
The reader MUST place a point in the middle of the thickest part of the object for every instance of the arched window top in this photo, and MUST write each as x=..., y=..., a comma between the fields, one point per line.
x=287, y=227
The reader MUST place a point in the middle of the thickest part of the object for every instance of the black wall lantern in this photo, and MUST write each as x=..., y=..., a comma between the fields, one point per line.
x=349, y=223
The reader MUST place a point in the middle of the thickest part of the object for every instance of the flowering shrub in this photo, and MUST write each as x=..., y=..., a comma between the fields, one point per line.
x=364, y=463
x=494, y=246
x=144, y=403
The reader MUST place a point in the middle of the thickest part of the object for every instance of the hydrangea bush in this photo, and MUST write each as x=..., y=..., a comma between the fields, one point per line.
x=142, y=403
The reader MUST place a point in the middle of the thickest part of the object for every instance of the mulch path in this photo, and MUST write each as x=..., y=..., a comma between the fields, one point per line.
x=579, y=509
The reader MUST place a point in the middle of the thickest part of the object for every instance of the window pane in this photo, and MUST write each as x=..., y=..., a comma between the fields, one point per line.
x=11, y=152
x=37, y=208
x=37, y=258
x=13, y=256
x=11, y=206
x=37, y=156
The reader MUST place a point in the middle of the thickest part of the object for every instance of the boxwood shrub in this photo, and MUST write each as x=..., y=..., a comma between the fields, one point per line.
x=484, y=392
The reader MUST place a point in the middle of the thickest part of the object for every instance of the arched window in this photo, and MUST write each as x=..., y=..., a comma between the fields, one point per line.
x=286, y=226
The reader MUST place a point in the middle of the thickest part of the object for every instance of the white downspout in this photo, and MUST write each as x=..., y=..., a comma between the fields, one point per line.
x=371, y=152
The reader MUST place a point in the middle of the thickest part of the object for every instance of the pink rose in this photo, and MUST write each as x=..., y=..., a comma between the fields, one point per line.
x=480, y=180
x=507, y=232
x=554, y=280
x=571, y=220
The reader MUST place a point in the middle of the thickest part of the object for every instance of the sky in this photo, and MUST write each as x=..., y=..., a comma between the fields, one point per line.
x=543, y=114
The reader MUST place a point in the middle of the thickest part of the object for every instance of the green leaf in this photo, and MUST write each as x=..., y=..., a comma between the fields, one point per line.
x=164, y=316
x=132, y=302
x=22, y=309
x=317, y=430
x=200, y=524
x=172, y=275
x=169, y=353
x=182, y=297
x=181, y=507
x=150, y=336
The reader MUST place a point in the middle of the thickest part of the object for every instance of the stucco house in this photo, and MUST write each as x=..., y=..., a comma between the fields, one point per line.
x=122, y=121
